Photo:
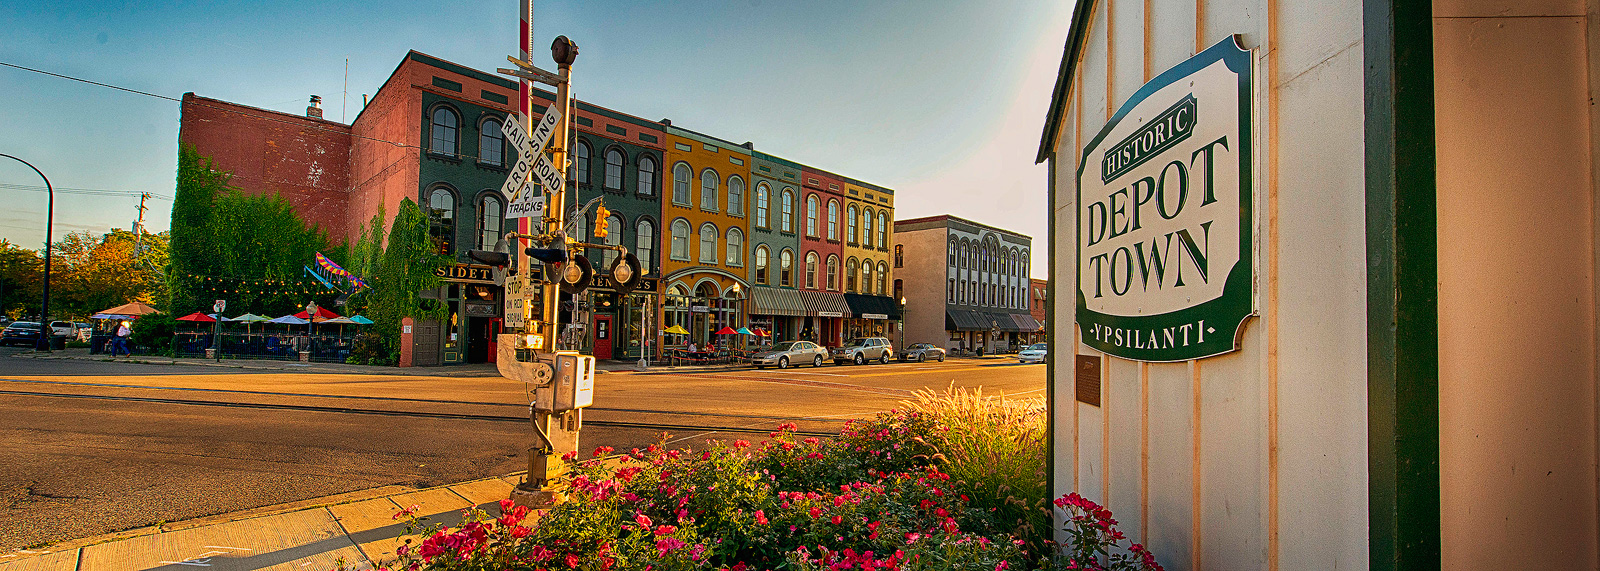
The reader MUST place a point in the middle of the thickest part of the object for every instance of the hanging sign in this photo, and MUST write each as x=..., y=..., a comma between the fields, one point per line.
x=1164, y=224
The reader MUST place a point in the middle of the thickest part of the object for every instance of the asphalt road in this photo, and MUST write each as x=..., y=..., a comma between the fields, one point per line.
x=89, y=447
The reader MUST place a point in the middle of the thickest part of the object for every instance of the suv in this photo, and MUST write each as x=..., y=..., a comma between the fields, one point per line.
x=860, y=351
x=63, y=329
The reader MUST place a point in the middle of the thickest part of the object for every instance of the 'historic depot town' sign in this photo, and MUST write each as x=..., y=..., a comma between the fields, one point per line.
x=1165, y=271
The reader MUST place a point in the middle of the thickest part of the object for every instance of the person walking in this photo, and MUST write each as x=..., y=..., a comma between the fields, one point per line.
x=120, y=342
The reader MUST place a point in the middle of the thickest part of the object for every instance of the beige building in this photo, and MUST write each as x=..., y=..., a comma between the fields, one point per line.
x=965, y=284
x=1405, y=202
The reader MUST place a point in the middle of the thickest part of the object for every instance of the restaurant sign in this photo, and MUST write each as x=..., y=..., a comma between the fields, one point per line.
x=1164, y=223
x=465, y=273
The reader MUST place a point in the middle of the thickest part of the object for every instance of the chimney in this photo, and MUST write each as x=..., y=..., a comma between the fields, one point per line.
x=315, y=109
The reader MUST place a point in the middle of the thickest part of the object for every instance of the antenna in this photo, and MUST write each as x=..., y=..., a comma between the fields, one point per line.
x=344, y=100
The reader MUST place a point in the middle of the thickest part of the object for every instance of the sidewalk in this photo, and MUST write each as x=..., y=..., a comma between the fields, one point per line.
x=358, y=528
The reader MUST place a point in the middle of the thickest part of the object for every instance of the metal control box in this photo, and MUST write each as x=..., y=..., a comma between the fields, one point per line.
x=574, y=382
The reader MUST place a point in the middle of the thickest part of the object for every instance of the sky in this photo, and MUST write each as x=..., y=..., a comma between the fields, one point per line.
x=942, y=101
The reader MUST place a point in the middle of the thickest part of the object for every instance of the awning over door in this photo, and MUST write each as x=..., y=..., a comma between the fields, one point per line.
x=965, y=320
x=873, y=306
x=774, y=301
x=1026, y=323
x=1003, y=322
x=825, y=304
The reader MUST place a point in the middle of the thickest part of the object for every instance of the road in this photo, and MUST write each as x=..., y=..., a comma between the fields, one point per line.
x=90, y=447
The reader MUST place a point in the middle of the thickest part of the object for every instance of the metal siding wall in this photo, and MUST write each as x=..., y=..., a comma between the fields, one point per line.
x=1171, y=493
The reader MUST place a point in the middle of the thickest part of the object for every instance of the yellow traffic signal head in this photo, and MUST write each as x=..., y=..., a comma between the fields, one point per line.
x=602, y=217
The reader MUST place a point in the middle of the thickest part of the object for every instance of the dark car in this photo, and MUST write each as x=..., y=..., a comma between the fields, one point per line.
x=20, y=333
x=921, y=352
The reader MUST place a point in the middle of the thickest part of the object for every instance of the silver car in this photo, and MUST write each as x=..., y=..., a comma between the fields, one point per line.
x=864, y=350
x=787, y=353
x=1035, y=353
x=921, y=352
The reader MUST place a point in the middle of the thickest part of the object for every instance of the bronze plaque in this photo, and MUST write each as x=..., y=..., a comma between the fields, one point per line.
x=1089, y=379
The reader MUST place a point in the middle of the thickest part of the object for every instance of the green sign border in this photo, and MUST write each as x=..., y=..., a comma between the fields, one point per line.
x=1237, y=302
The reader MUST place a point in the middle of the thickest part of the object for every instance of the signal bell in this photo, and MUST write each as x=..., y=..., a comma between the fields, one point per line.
x=625, y=273
x=497, y=259
x=548, y=255
x=575, y=277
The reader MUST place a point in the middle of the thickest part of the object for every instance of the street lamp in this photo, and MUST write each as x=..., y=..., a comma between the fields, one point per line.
x=43, y=344
x=902, y=323
x=311, y=316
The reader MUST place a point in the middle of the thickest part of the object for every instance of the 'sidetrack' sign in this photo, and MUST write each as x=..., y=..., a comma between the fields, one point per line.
x=1164, y=224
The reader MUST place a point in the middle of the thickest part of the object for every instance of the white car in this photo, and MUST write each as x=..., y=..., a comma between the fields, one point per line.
x=1035, y=353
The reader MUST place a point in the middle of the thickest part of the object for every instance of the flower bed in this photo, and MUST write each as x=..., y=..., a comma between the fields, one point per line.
x=879, y=496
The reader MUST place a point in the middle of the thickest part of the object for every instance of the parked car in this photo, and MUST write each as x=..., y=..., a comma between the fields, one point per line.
x=85, y=331
x=63, y=329
x=20, y=333
x=786, y=353
x=921, y=352
x=1035, y=353
x=860, y=351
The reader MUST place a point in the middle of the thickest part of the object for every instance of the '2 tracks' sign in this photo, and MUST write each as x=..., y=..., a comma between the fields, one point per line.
x=1166, y=270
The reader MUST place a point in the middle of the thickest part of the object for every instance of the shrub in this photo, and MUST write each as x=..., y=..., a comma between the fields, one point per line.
x=1094, y=543
x=153, y=332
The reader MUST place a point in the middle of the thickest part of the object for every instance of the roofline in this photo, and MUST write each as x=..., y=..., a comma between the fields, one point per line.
x=948, y=217
x=847, y=179
x=713, y=139
x=1077, y=35
x=191, y=96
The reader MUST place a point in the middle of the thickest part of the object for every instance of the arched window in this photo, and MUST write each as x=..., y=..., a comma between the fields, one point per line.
x=442, y=219
x=851, y=225
x=735, y=247
x=866, y=228
x=866, y=276
x=681, y=175
x=811, y=270
x=786, y=267
x=490, y=215
x=491, y=143
x=443, y=133
x=708, y=243
x=735, y=196
x=644, y=244
x=833, y=272
x=883, y=231
x=761, y=264
x=883, y=278
x=952, y=255
x=833, y=220
x=580, y=155
x=761, y=206
x=851, y=269
x=787, y=204
x=680, y=240
x=580, y=227
x=647, y=175
x=613, y=238
x=614, y=160
x=708, y=190
x=1025, y=266
x=811, y=215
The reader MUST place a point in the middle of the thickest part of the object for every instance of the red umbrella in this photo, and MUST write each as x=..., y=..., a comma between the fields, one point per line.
x=726, y=331
x=761, y=332
x=198, y=317
x=322, y=314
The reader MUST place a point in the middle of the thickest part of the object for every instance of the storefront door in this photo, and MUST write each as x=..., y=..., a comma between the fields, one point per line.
x=602, y=336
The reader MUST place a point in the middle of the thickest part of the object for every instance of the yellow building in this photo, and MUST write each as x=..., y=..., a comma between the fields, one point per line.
x=705, y=212
x=868, y=213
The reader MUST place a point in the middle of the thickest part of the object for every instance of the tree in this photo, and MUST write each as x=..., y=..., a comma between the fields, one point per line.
x=404, y=271
x=94, y=273
x=21, y=280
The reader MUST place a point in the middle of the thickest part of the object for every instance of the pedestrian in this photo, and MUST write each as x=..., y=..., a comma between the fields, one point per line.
x=120, y=343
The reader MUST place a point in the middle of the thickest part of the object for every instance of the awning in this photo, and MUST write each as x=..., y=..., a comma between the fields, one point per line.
x=1026, y=322
x=964, y=320
x=774, y=301
x=825, y=304
x=1005, y=322
x=873, y=306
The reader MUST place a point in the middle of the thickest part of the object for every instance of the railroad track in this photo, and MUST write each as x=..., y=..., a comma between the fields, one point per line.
x=417, y=414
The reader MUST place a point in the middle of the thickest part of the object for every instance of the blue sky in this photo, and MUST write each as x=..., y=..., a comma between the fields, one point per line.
x=942, y=101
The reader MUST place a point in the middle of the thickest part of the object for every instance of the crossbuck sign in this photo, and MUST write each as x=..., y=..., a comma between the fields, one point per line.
x=525, y=201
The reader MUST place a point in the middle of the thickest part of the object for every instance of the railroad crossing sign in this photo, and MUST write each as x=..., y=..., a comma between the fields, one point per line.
x=524, y=200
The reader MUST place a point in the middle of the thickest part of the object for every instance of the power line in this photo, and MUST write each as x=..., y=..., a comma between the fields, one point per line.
x=85, y=191
x=88, y=82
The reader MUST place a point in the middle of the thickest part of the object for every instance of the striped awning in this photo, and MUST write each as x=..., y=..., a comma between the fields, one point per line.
x=825, y=304
x=1026, y=323
x=965, y=320
x=774, y=301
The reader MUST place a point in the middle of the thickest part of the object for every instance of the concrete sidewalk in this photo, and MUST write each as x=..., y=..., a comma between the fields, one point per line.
x=358, y=529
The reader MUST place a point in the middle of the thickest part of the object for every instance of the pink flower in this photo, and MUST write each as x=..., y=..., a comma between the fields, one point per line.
x=761, y=517
x=666, y=544
x=572, y=561
x=410, y=511
x=741, y=443
x=569, y=456
x=1002, y=566
x=603, y=450
x=643, y=520
x=837, y=520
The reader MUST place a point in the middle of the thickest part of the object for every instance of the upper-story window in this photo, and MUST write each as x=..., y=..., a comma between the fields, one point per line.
x=735, y=196
x=951, y=257
x=883, y=278
x=442, y=219
x=833, y=272
x=866, y=228
x=644, y=244
x=833, y=220
x=786, y=267
x=851, y=224
x=681, y=176
x=787, y=204
x=899, y=256
x=491, y=143
x=444, y=131
x=761, y=206
x=761, y=264
x=647, y=175
x=811, y=215
x=735, y=247
x=680, y=240
x=580, y=155
x=866, y=276
x=950, y=291
x=613, y=238
x=490, y=215
x=883, y=230
x=851, y=270
x=708, y=190
x=708, y=244
x=614, y=160
x=811, y=270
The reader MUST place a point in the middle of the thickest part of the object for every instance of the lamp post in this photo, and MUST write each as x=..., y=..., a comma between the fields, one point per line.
x=43, y=344
x=311, y=318
x=902, y=324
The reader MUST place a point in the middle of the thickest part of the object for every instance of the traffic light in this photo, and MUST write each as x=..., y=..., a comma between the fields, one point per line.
x=602, y=216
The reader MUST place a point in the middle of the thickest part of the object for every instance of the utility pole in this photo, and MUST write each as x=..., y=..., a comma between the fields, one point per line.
x=138, y=226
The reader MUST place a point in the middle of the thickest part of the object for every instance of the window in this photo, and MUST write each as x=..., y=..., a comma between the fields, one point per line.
x=761, y=206
x=833, y=220
x=899, y=256
x=811, y=270
x=442, y=219
x=866, y=277
x=811, y=215
x=647, y=175
x=952, y=256
x=866, y=229
x=785, y=267
x=761, y=264
x=708, y=190
x=491, y=144
x=883, y=278
x=680, y=240
x=644, y=244
x=950, y=291
x=444, y=131
x=851, y=268
x=490, y=214
x=833, y=272
x=613, y=238
x=788, y=210
x=883, y=230
x=614, y=160
x=580, y=155
x=851, y=224
x=735, y=196
x=735, y=247
x=681, y=176
x=580, y=227
x=708, y=244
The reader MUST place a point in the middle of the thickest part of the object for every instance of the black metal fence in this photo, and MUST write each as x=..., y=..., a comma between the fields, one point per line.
x=280, y=346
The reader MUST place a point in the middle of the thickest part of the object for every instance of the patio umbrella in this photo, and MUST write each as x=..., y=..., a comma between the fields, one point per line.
x=745, y=331
x=322, y=314
x=288, y=320
x=112, y=316
x=198, y=317
x=134, y=309
x=726, y=331
x=341, y=322
x=361, y=320
x=762, y=332
x=248, y=318
x=676, y=330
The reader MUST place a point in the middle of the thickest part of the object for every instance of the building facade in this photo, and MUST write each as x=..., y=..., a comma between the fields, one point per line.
x=775, y=301
x=981, y=274
x=707, y=228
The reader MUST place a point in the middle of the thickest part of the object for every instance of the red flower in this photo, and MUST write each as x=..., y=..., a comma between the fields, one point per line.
x=741, y=443
x=569, y=456
x=603, y=450
x=761, y=518
x=572, y=561
x=837, y=520
x=643, y=520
